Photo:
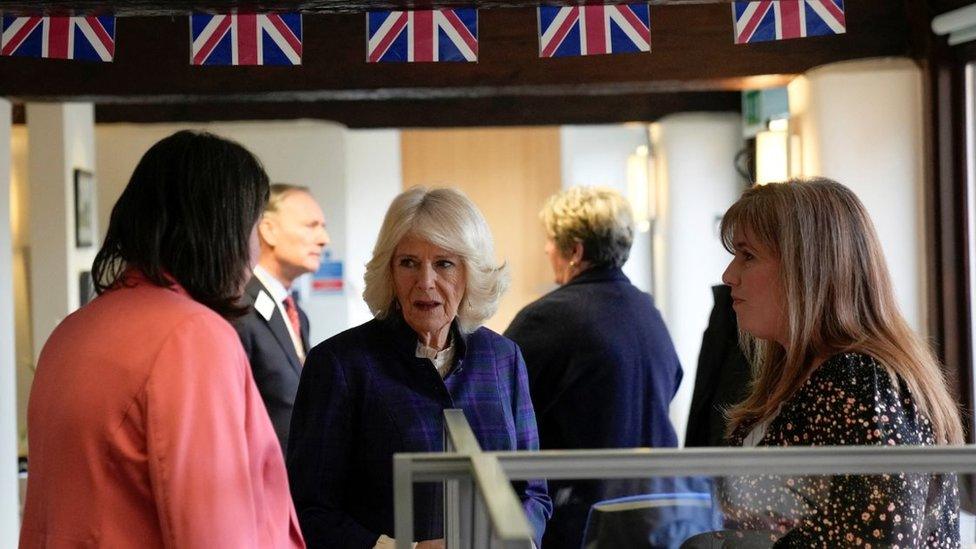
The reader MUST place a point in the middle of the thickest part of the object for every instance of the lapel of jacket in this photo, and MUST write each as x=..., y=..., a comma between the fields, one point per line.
x=276, y=324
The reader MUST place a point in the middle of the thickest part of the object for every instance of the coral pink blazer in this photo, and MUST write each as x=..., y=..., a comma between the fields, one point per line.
x=145, y=429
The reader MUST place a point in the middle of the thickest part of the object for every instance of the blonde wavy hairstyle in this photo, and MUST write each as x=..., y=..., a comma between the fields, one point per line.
x=448, y=219
x=599, y=218
x=839, y=299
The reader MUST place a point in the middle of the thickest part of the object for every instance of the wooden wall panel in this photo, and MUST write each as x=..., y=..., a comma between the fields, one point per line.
x=508, y=173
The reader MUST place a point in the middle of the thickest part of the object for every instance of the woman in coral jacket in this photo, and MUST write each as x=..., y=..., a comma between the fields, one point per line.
x=145, y=426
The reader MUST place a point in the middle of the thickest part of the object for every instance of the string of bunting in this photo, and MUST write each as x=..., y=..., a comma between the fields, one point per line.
x=445, y=35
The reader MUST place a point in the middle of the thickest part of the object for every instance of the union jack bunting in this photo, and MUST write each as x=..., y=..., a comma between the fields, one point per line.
x=246, y=39
x=86, y=38
x=422, y=36
x=594, y=30
x=767, y=20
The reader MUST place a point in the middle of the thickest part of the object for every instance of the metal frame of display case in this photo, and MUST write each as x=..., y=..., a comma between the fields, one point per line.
x=482, y=510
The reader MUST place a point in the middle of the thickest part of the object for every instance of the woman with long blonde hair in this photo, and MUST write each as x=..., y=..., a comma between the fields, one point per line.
x=835, y=363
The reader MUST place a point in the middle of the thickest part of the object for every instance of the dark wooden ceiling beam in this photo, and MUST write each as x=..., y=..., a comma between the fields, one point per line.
x=942, y=6
x=692, y=50
x=434, y=93
x=493, y=111
x=694, y=65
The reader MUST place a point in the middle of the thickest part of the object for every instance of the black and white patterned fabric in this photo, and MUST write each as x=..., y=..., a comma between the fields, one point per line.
x=849, y=400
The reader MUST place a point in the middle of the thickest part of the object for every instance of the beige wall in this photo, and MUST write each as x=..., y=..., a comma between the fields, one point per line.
x=19, y=217
x=508, y=173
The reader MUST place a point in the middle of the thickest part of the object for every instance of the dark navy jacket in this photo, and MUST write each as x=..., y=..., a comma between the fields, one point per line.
x=602, y=373
x=364, y=396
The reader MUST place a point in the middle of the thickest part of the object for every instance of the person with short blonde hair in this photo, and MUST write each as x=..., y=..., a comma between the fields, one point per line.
x=447, y=218
x=382, y=387
x=602, y=367
x=835, y=364
x=600, y=220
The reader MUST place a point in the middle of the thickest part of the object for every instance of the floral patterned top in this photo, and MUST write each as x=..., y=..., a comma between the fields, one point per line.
x=849, y=400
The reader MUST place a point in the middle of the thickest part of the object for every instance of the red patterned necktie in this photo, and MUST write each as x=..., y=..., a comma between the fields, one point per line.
x=292, y=312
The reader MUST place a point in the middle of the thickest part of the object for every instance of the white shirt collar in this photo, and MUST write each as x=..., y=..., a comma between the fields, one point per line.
x=440, y=359
x=272, y=284
x=278, y=294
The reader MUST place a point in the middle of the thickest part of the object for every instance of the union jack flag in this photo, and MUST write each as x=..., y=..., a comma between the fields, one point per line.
x=594, y=30
x=87, y=38
x=246, y=39
x=767, y=20
x=422, y=36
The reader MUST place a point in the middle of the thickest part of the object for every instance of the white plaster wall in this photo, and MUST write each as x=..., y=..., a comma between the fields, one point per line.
x=62, y=139
x=697, y=182
x=860, y=123
x=9, y=501
x=373, y=179
x=310, y=153
x=597, y=156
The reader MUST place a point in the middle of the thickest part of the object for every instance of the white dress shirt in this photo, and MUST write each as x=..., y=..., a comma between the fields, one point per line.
x=440, y=359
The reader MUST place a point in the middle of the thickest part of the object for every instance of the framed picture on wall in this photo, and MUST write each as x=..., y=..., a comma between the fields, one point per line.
x=85, y=212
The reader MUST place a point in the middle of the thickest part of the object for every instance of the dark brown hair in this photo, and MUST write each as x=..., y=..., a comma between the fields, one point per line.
x=187, y=215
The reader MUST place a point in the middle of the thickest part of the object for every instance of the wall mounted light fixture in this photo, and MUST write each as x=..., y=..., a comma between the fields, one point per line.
x=773, y=152
x=640, y=187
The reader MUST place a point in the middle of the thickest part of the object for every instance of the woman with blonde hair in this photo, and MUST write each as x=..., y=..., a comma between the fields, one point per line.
x=382, y=387
x=835, y=364
x=602, y=367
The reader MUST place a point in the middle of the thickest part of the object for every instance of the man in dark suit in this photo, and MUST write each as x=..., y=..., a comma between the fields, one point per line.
x=274, y=332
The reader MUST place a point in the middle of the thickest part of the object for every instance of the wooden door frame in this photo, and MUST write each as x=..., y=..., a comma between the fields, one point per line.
x=950, y=315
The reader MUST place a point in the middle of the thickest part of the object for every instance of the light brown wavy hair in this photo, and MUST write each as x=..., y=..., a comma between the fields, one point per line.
x=598, y=217
x=839, y=299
